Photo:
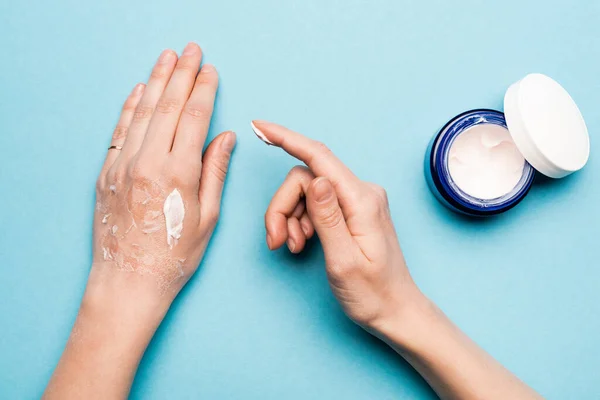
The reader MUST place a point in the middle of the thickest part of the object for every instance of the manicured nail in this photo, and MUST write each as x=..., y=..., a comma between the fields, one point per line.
x=207, y=69
x=259, y=133
x=139, y=88
x=190, y=49
x=228, y=142
x=304, y=228
x=291, y=244
x=165, y=57
x=322, y=190
x=269, y=242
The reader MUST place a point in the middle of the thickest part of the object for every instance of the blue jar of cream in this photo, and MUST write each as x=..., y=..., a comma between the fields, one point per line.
x=483, y=162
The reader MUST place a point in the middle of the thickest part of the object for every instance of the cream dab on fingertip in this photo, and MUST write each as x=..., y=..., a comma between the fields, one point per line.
x=260, y=135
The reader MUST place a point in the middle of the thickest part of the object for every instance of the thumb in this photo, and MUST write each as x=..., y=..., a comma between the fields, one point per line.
x=214, y=170
x=328, y=219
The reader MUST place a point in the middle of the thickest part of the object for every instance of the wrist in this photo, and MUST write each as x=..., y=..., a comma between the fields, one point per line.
x=110, y=332
x=129, y=303
x=406, y=321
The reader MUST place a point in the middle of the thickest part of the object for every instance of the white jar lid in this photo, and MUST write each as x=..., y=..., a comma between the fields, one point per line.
x=547, y=126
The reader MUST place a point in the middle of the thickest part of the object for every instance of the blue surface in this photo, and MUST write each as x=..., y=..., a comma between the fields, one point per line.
x=374, y=80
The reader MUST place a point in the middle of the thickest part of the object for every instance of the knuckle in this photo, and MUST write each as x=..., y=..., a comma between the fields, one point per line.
x=138, y=171
x=339, y=270
x=186, y=65
x=204, y=79
x=129, y=105
x=179, y=175
x=322, y=148
x=372, y=203
x=212, y=216
x=320, y=151
x=188, y=167
x=100, y=184
x=180, y=181
x=381, y=193
x=297, y=170
x=345, y=267
x=376, y=204
x=199, y=111
x=115, y=174
x=142, y=112
x=336, y=270
x=218, y=169
x=120, y=132
x=271, y=214
x=300, y=172
x=330, y=217
x=159, y=72
x=167, y=106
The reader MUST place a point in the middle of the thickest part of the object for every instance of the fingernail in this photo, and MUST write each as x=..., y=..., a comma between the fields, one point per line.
x=165, y=57
x=259, y=133
x=304, y=228
x=228, y=142
x=139, y=88
x=322, y=190
x=207, y=69
x=269, y=242
x=291, y=244
x=190, y=49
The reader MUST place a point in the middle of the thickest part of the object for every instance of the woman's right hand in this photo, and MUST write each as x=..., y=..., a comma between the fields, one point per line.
x=365, y=266
x=367, y=272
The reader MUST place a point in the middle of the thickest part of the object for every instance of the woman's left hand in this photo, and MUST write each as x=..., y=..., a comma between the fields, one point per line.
x=157, y=196
x=158, y=200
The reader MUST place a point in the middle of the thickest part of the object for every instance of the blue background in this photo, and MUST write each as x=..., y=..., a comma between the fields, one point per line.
x=372, y=79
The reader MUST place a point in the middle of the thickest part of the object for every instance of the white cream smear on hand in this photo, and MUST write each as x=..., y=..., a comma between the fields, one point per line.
x=174, y=212
x=484, y=162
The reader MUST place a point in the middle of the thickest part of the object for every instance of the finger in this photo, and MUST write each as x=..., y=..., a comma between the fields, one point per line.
x=326, y=215
x=284, y=203
x=214, y=170
x=195, y=120
x=120, y=132
x=314, y=154
x=307, y=225
x=163, y=124
x=300, y=207
x=159, y=78
x=296, y=239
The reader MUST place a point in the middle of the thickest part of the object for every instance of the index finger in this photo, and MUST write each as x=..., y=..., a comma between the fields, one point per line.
x=315, y=155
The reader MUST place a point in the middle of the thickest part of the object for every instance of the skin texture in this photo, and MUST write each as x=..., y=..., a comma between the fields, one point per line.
x=367, y=272
x=136, y=274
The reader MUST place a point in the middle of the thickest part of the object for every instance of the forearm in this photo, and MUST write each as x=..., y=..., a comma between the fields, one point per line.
x=454, y=366
x=109, y=337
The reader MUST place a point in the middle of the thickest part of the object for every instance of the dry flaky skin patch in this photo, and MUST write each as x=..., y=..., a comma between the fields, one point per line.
x=132, y=233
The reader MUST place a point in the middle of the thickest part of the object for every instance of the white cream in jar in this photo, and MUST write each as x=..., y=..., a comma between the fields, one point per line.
x=483, y=162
